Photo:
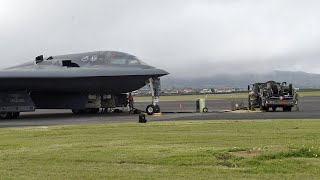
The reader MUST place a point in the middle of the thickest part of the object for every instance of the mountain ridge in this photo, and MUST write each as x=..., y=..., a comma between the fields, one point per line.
x=297, y=78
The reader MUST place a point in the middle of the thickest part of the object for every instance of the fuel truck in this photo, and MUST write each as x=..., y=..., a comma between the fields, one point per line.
x=272, y=95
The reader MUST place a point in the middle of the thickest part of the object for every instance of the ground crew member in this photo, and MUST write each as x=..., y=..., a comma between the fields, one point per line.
x=131, y=102
x=252, y=100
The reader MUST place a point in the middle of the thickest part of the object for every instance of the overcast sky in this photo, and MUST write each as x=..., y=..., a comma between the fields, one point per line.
x=185, y=37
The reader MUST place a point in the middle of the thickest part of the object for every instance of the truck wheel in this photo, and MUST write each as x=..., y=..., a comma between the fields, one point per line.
x=263, y=108
x=289, y=109
x=274, y=109
x=150, y=109
x=205, y=110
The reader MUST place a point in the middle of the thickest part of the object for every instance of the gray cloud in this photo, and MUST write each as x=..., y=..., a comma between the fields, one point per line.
x=185, y=37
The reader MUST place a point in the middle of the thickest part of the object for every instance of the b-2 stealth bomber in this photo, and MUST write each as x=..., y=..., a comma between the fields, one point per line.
x=82, y=82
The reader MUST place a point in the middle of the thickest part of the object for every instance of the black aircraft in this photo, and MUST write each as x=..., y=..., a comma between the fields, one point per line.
x=82, y=82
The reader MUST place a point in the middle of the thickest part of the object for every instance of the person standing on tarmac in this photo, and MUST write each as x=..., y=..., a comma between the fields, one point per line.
x=296, y=100
x=131, y=102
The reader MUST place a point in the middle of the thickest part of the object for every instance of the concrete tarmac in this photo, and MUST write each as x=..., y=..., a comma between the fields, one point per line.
x=309, y=109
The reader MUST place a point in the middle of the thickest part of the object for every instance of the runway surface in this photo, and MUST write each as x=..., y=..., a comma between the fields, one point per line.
x=309, y=109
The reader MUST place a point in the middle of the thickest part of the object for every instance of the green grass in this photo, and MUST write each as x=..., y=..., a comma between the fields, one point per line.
x=302, y=93
x=269, y=149
x=309, y=93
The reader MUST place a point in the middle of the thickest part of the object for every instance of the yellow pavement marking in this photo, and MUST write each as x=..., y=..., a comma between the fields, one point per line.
x=157, y=114
x=246, y=111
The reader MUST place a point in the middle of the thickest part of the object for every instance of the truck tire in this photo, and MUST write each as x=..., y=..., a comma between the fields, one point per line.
x=263, y=108
x=287, y=109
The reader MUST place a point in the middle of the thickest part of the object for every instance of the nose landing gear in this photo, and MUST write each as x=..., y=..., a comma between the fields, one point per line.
x=155, y=88
x=151, y=109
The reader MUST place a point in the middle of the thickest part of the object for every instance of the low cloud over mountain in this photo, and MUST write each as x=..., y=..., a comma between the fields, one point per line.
x=299, y=79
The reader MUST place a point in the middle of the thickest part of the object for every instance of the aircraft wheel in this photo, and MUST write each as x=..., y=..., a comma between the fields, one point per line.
x=5, y=115
x=150, y=109
x=157, y=109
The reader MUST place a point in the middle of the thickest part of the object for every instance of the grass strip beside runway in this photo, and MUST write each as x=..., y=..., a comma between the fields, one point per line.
x=268, y=149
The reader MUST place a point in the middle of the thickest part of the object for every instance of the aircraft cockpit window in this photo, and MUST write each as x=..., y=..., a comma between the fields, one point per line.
x=142, y=63
x=133, y=62
x=118, y=61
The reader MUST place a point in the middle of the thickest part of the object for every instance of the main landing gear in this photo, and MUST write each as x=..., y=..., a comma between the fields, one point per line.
x=155, y=88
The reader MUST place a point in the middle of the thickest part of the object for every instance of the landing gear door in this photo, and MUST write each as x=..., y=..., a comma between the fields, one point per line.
x=18, y=101
x=157, y=87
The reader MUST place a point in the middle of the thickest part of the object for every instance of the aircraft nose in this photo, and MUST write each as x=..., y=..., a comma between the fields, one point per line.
x=162, y=72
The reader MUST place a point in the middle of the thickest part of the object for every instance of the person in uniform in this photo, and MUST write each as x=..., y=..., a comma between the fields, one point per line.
x=252, y=100
x=131, y=102
x=296, y=100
